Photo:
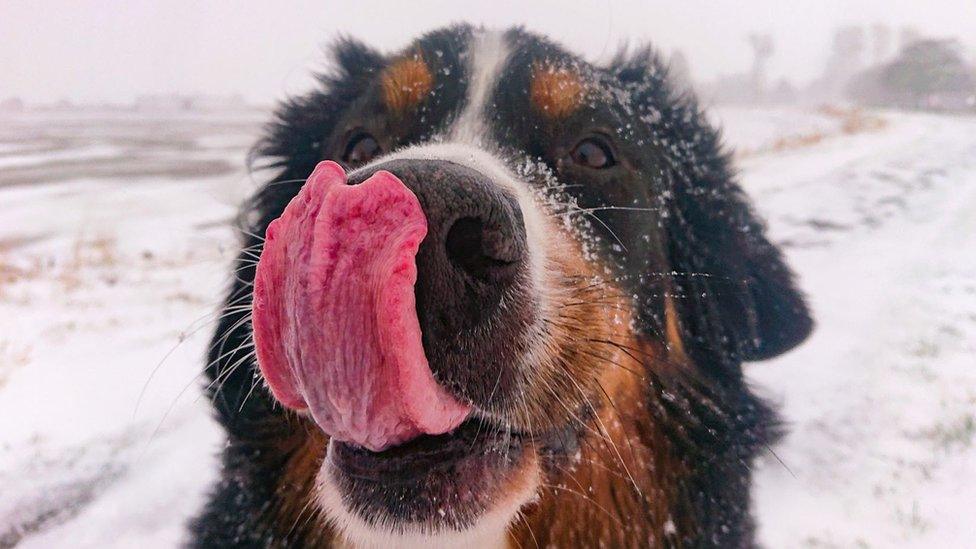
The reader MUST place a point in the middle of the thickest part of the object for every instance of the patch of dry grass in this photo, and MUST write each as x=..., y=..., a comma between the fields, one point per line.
x=11, y=271
x=99, y=252
x=852, y=121
x=12, y=356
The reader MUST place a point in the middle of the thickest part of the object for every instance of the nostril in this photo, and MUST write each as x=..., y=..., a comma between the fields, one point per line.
x=484, y=252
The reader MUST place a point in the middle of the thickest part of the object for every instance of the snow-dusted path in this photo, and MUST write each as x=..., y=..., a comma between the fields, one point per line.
x=102, y=274
x=881, y=402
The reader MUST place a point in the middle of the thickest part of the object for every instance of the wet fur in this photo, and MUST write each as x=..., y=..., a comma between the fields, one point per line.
x=664, y=428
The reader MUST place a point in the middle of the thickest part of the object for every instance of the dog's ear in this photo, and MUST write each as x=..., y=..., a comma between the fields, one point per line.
x=731, y=295
x=732, y=289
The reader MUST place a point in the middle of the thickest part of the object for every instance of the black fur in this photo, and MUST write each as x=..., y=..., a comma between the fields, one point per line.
x=700, y=243
x=736, y=300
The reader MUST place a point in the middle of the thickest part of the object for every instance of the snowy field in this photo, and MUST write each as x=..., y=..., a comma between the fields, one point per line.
x=114, y=248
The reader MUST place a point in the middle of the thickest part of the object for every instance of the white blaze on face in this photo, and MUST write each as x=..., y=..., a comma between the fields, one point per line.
x=466, y=142
x=487, y=54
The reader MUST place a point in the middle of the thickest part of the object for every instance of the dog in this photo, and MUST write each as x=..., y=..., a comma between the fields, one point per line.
x=494, y=295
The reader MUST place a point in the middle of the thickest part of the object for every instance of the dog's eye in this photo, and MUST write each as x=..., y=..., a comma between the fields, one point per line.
x=361, y=149
x=593, y=153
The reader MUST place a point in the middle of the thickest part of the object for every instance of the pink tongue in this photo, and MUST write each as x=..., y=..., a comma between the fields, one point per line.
x=335, y=321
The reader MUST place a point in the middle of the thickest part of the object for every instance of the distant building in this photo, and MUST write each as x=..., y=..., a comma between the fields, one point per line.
x=730, y=89
x=166, y=102
x=846, y=59
x=12, y=104
x=179, y=102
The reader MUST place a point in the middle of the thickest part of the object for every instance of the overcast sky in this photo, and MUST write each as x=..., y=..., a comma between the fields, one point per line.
x=90, y=50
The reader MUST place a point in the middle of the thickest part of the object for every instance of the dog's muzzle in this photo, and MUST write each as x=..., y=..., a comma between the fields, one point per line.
x=389, y=305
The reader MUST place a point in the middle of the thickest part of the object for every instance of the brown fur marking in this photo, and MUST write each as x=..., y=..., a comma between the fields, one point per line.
x=672, y=330
x=405, y=83
x=556, y=92
x=625, y=466
x=297, y=515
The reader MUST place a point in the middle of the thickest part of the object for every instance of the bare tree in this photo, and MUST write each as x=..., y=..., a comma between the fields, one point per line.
x=762, y=50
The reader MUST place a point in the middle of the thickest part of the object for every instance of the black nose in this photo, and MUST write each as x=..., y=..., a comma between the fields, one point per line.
x=483, y=249
x=472, y=269
x=475, y=246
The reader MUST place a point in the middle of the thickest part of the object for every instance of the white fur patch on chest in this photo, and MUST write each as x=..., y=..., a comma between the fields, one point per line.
x=490, y=531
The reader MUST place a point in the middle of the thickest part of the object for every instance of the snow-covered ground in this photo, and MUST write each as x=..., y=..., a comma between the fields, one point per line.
x=109, y=280
x=882, y=400
x=114, y=249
